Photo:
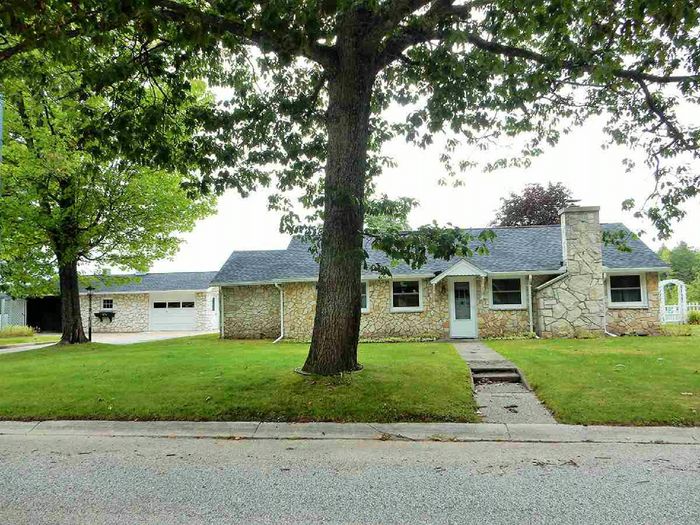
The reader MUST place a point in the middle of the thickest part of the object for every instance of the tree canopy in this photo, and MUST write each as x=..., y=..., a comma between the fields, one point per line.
x=534, y=205
x=685, y=265
x=481, y=71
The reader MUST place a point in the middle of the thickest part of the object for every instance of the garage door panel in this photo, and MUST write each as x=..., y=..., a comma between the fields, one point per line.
x=172, y=311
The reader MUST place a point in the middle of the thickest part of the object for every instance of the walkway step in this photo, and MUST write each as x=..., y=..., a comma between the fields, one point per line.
x=475, y=368
x=499, y=389
x=495, y=377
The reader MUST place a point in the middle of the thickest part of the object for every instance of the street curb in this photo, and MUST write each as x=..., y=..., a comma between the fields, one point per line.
x=442, y=432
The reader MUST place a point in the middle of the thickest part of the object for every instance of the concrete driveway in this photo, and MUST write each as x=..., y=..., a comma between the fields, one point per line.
x=140, y=337
x=112, y=339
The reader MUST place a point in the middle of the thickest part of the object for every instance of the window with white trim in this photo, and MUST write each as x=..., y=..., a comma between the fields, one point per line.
x=364, y=297
x=507, y=293
x=406, y=296
x=626, y=290
x=107, y=304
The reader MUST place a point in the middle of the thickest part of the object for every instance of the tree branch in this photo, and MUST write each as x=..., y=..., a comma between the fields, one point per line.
x=29, y=44
x=266, y=40
x=428, y=30
x=673, y=130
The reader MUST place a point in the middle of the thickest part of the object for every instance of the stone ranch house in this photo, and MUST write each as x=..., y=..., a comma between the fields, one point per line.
x=557, y=281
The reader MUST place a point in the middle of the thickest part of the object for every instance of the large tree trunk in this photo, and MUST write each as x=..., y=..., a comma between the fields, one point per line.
x=337, y=322
x=70, y=303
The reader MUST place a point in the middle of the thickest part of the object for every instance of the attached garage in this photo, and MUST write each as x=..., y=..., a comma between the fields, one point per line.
x=151, y=302
x=172, y=311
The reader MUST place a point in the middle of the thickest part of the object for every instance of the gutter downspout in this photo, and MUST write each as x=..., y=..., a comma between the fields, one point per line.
x=605, y=308
x=529, y=305
x=221, y=312
x=281, y=314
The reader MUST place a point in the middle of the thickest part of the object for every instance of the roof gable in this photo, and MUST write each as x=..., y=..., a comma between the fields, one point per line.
x=460, y=268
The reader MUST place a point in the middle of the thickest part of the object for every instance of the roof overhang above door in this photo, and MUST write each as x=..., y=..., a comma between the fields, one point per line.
x=461, y=268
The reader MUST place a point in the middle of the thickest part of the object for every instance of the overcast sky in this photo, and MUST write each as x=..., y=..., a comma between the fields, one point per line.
x=595, y=176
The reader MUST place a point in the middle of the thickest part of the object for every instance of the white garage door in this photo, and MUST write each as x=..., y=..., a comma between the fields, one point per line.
x=172, y=311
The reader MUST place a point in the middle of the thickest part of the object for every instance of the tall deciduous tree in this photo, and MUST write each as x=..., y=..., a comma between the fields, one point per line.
x=69, y=196
x=313, y=80
x=533, y=206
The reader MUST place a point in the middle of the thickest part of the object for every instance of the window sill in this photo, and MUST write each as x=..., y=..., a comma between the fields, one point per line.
x=508, y=307
x=628, y=306
x=364, y=310
x=406, y=310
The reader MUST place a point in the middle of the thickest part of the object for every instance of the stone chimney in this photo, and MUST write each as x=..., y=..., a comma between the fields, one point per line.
x=581, y=239
x=574, y=305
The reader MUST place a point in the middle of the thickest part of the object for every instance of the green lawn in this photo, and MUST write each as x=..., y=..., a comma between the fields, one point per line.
x=625, y=380
x=4, y=341
x=203, y=378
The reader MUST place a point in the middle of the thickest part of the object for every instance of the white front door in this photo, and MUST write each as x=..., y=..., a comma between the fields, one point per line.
x=462, y=308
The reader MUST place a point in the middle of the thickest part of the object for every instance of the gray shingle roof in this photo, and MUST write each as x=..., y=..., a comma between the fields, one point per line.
x=532, y=248
x=154, y=282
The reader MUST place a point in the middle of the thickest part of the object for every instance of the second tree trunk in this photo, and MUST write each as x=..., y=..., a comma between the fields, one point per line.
x=70, y=304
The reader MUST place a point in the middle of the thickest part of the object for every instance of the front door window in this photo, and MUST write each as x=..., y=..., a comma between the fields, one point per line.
x=463, y=309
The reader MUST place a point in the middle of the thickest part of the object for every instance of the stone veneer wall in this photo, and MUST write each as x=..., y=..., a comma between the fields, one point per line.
x=633, y=320
x=206, y=319
x=379, y=322
x=499, y=322
x=574, y=305
x=251, y=312
x=131, y=313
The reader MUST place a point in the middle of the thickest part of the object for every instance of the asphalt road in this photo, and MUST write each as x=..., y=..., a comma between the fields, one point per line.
x=96, y=480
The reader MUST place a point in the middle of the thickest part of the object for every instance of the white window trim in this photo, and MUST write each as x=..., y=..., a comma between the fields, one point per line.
x=102, y=304
x=406, y=309
x=644, y=303
x=523, y=293
x=366, y=285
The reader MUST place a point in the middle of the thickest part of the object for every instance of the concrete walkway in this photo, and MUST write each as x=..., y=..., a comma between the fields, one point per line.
x=141, y=337
x=501, y=402
x=11, y=349
x=117, y=338
x=448, y=432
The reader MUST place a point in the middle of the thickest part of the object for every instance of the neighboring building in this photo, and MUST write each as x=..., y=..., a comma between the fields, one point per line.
x=12, y=311
x=558, y=281
x=178, y=301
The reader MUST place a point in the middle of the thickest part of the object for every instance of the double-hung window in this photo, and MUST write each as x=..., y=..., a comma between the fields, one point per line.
x=364, y=298
x=406, y=296
x=507, y=293
x=626, y=290
x=107, y=304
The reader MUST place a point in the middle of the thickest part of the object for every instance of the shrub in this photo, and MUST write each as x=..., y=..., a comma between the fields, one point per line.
x=676, y=330
x=15, y=330
x=694, y=317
